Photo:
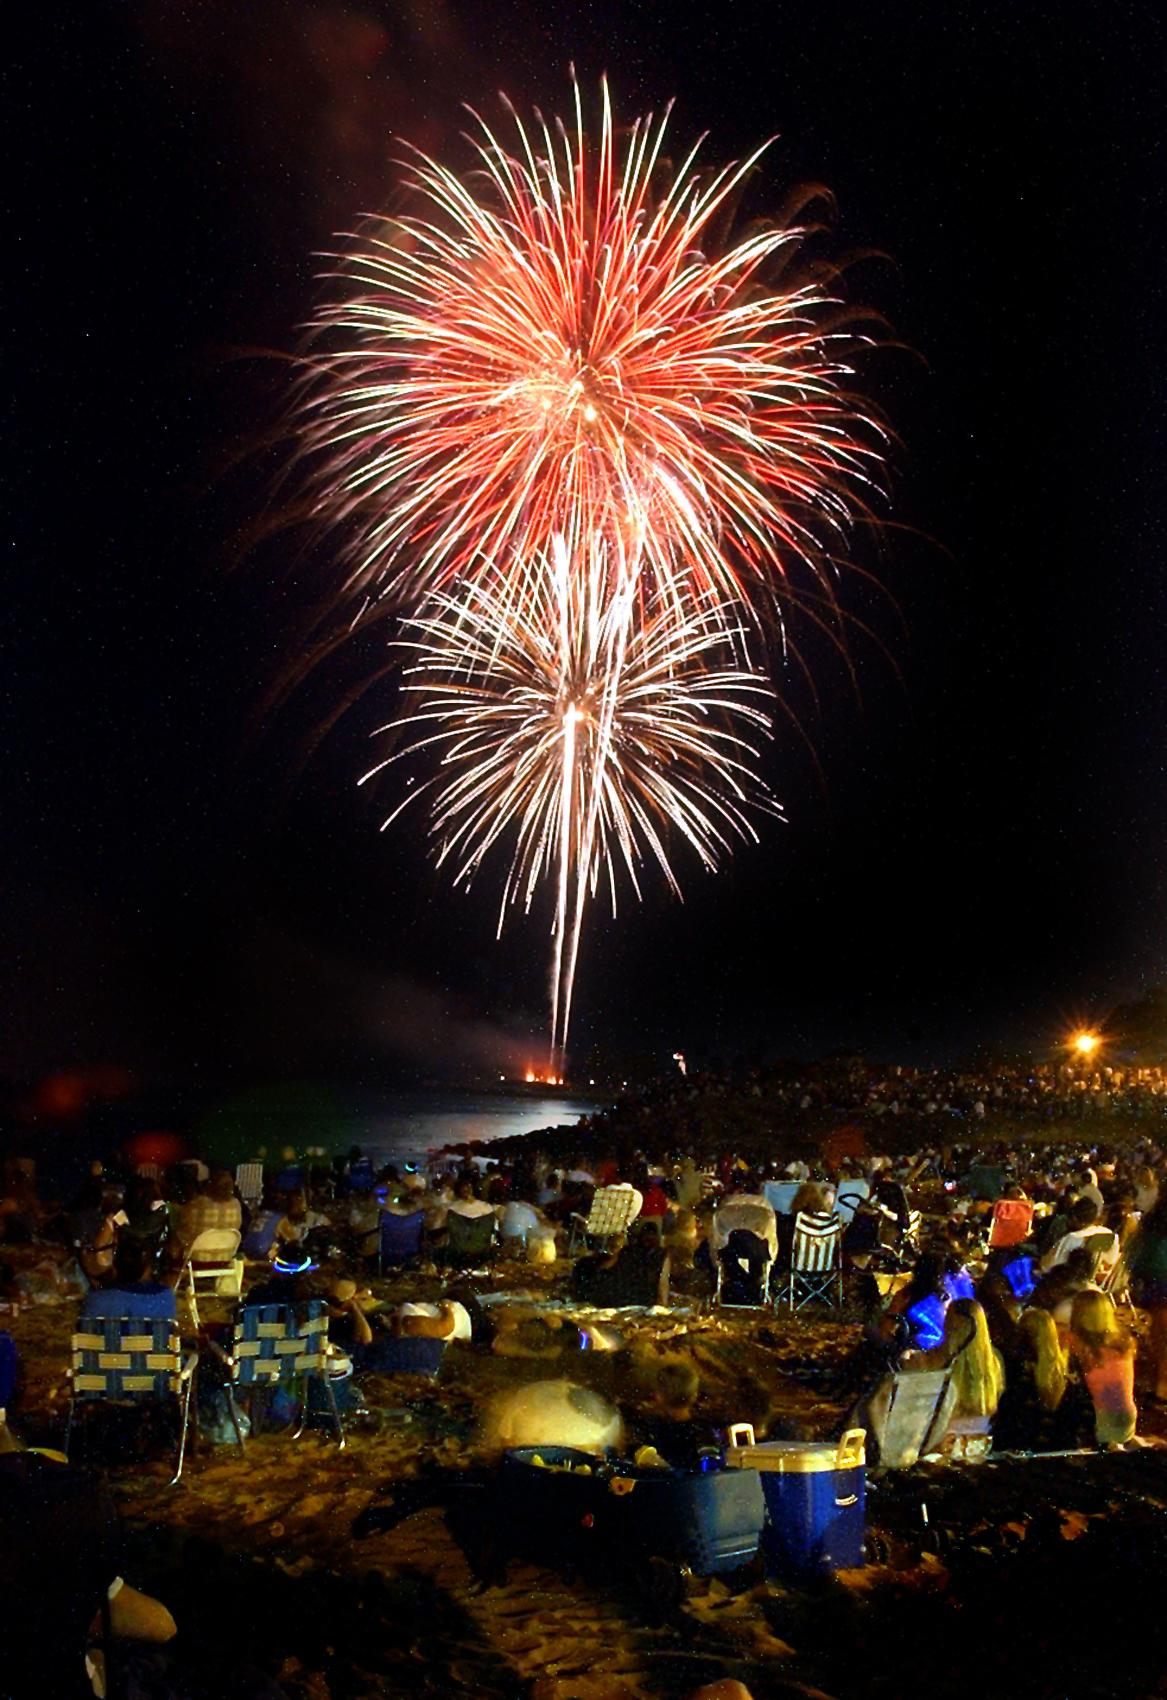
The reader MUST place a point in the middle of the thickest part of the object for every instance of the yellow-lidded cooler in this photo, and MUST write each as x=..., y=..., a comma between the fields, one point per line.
x=815, y=1499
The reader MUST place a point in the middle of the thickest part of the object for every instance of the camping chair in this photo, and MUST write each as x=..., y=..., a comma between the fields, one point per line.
x=816, y=1260
x=249, y=1183
x=283, y=1346
x=132, y=1360
x=609, y=1215
x=917, y=1401
x=1116, y=1281
x=211, y=1258
x=1011, y=1221
x=469, y=1238
x=731, y=1255
x=400, y=1238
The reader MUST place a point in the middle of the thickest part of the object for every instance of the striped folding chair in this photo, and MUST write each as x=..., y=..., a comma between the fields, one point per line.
x=284, y=1346
x=129, y=1360
x=816, y=1260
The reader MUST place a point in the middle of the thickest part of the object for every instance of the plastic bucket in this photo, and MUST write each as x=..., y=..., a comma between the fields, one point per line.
x=815, y=1500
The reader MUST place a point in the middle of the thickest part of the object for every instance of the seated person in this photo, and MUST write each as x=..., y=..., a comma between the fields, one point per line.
x=1038, y=1411
x=96, y=1219
x=744, y=1260
x=916, y=1311
x=301, y=1223
x=348, y=1325
x=748, y=1209
x=520, y=1332
x=634, y=1272
x=447, y=1319
x=1106, y=1353
x=974, y=1390
x=59, y=1575
x=1087, y=1233
x=134, y=1290
x=215, y=1206
x=289, y=1281
x=1057, y=1291
x=466, y=1202
x=977, y=1376
x=670, y=1425
x=519, y=1219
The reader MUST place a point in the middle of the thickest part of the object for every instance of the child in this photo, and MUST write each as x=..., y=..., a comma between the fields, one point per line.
x=1106, y=1353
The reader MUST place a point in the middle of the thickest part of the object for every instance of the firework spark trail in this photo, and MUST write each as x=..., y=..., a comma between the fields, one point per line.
x=547, y=345
x=585, y=735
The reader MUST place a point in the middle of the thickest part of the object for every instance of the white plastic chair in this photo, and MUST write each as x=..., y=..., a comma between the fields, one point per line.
x=211, y=1262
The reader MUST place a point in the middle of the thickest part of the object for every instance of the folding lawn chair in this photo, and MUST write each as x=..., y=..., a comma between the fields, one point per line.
x=737, y=1262
x=816, y=1260
x=249, y=1183
x=1011, y=1222
x=610, y=1214
x=469, y=1238
x=917, y=1401
x=211, y=1262
x=132, y=1360
x=400, y=1238
x=284, y=1346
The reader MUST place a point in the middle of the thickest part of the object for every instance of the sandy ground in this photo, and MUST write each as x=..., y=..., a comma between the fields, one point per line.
x=255, y=1553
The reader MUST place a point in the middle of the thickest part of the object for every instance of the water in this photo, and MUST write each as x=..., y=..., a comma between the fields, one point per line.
x=390, y=1126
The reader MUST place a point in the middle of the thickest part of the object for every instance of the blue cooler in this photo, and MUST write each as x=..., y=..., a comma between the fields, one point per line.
x=815, y=1500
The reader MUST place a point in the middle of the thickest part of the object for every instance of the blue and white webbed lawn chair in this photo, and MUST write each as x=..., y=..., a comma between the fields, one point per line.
x=132, y=1360
x=284, y=1345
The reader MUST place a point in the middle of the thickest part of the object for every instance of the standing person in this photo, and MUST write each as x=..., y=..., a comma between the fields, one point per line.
x=1147, y=1263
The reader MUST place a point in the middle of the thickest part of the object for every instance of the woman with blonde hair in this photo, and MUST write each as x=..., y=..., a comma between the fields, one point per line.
x=963, y=1424
x=1106, y=1353
x=978, y=1372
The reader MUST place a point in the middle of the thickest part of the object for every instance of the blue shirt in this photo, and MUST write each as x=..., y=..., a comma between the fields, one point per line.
x=142, y=1298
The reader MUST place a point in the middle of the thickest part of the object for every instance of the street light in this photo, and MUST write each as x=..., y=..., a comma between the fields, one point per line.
x=1086, y=1043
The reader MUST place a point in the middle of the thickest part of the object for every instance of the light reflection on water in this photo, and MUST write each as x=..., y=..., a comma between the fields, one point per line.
x=409, y=1125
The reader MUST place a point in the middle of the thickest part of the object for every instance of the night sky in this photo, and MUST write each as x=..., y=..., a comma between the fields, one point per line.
x=974, y=851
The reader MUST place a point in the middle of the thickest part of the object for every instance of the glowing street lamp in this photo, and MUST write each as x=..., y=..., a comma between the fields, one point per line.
x=1085, y=1044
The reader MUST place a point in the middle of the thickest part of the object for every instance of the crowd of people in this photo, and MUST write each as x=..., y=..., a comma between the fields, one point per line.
x=898, y=1105
x=1029, y=1274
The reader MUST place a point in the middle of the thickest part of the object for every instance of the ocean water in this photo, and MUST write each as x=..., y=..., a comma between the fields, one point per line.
x=391, y=1126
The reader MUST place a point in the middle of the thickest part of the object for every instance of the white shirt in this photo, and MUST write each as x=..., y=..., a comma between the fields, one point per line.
x=462, y=1329
x=1070, y=1243
x=517, y=1219
x=471, y=1207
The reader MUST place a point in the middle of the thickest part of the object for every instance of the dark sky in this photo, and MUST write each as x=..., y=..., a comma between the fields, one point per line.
x=975, y=843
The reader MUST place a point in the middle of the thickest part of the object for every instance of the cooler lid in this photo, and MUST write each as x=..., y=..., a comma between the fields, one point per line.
x=794, y=1457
